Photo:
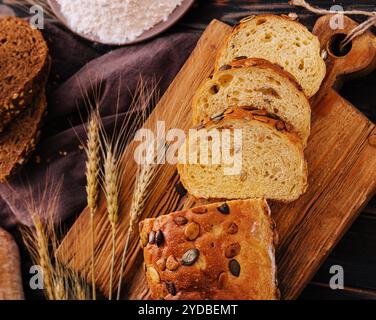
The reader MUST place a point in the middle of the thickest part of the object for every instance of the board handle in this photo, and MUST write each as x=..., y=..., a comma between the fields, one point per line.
x=357, y=58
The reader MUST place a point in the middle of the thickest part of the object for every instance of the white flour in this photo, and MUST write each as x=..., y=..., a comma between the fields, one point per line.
x=116, y=21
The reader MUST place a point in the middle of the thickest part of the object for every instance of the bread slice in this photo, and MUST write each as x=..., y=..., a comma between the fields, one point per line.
x=10, y=268
x=266, y=161
x=24, y=63
x=20, y=137
x=222, y=251
x=255, y=82
x=281, y=41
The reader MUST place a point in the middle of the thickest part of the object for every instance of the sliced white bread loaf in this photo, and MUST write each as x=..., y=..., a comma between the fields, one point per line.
x=270, y=160
x=281, y=41
x=254, y=82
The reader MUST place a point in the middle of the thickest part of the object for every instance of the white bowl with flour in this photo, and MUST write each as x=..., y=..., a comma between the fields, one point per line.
x=119, y=22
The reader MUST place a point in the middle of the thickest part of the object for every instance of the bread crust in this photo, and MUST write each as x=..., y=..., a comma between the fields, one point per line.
x=261, y=64
x=12, y=166
x=241, y=25
x=243, y=231
x=273, y=16
x=37, y=111
x=265, y=64
x=23, y=96
x=250, y=113
x=10, y=269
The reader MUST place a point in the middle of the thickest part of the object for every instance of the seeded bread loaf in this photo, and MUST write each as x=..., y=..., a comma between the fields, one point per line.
x=254, y=82
x=266, y=161
x=20, y=137
x=279, y=40
x=24, y=63
x=222, y=251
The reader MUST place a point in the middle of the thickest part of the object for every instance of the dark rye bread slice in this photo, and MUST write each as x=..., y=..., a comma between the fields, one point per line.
x=24, y=64
x=20, y=138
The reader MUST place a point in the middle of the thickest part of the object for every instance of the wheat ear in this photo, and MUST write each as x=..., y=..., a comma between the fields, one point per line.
x=111, y=188
x=141, y=192
x=92, y=175
x=43, y=256
x=42, y=241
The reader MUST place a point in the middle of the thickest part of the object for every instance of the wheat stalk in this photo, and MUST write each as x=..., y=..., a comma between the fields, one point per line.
x=60, y=292
x=42, y=242
x=43, y=256
x=111, y=190
x=77, y=287
x=92, y=174
x=145, y=175
x=112, y=149
x=144, y=99
x=93, y=162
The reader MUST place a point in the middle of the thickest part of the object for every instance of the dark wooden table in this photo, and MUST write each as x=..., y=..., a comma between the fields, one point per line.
x=356, y=252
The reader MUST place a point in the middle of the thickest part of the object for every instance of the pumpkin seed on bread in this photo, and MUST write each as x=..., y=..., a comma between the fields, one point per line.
x=231, y=257
x=271, y=159
x=248, y=82
x=24, y=64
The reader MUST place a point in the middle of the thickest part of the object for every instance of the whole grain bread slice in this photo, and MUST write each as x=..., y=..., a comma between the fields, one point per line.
x=267, y=161
x=20, y=137
x=24, y=64
x=254, y=82
x=279, y=40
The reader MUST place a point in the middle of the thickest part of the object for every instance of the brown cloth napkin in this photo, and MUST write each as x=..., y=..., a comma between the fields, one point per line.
x=79, y=67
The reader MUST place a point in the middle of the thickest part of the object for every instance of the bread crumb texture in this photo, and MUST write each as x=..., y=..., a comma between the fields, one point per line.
x=254, y=82
x=24, y=60
x=281, y=41
x=271, y=160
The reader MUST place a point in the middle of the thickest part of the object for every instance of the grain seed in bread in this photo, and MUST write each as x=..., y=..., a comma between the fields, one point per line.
x=24, y=64
x=230, y=258
x=20, y=137
x=254, y=82
x=269, y=159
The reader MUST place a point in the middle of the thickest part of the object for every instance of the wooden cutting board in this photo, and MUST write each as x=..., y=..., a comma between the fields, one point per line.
x=341, y=155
